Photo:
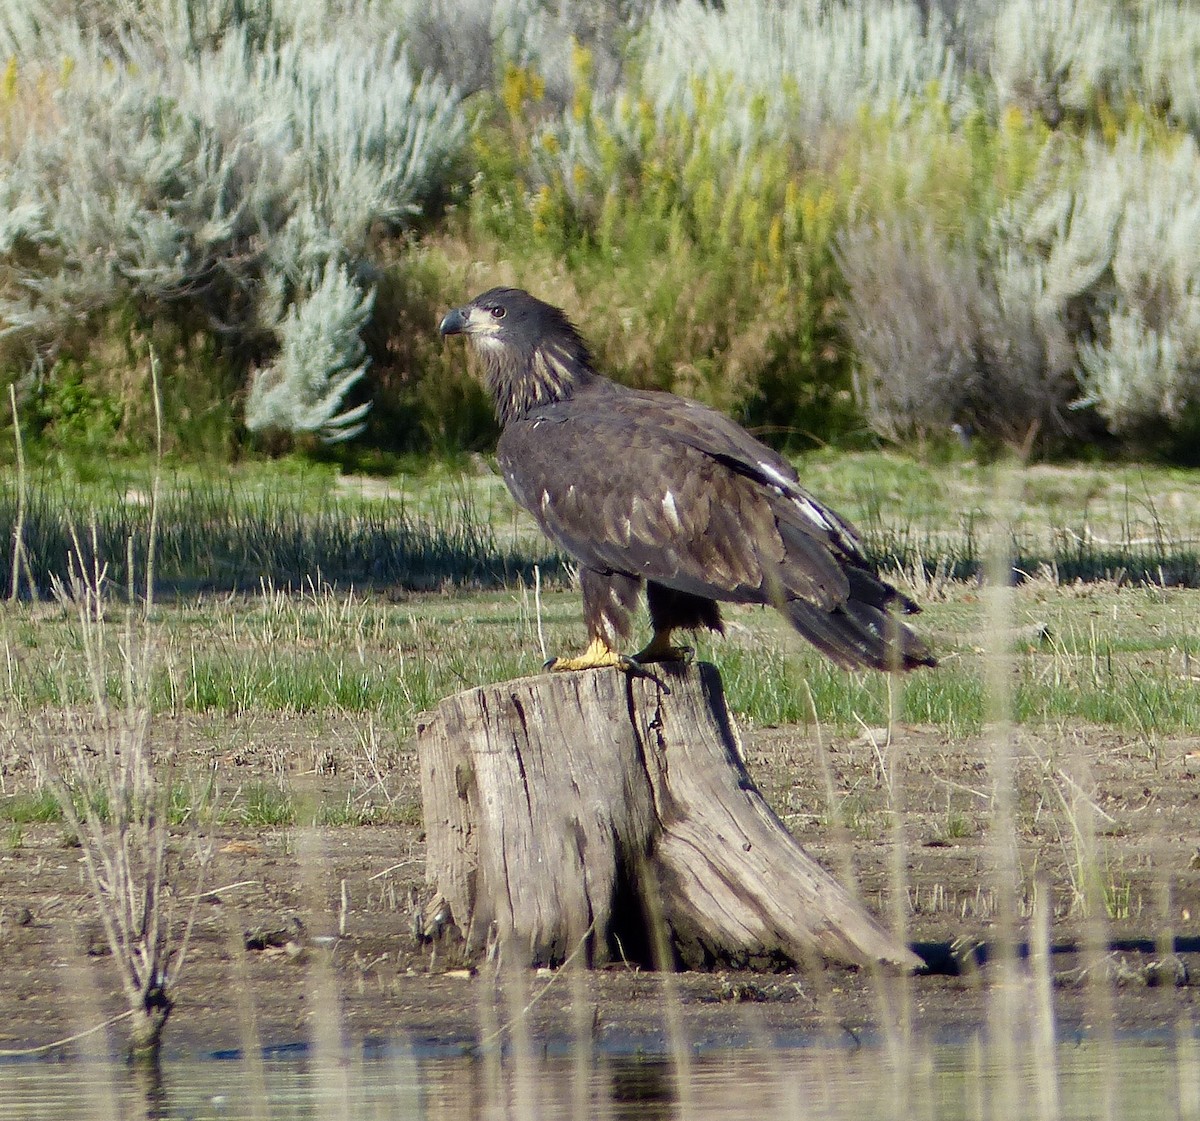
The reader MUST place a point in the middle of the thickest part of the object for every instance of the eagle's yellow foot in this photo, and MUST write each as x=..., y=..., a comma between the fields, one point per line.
x=659, y=649
x=598, y=655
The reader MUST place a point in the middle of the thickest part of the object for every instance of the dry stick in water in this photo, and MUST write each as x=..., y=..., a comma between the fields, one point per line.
x=1043, y=1056
x=523, y=1010
x=664, y=963
x=998, y=616
x=899, y=1026
x=583, y=1018
x=254, y=1074
x=1187, y=1067
x=1096, y=937
x=74, y=1037
x=332, y=1086
x=843, y=854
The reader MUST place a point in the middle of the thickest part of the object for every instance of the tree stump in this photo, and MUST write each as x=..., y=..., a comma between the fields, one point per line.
x=614, y=811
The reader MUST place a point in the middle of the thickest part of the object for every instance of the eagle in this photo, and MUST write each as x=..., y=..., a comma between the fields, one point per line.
x=649, y=489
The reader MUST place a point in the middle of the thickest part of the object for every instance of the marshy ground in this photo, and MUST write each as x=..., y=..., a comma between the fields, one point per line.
x=295, y=803
x=312, y=822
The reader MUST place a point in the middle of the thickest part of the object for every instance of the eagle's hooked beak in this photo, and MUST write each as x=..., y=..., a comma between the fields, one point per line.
x=453, y=322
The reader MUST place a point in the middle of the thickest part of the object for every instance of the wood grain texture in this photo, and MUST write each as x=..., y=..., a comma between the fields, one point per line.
x=582, y=809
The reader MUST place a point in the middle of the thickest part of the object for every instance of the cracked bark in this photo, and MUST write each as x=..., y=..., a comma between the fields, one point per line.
x=580, y=808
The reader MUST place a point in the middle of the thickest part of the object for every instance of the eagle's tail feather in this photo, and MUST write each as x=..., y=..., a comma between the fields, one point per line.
x=858, y=634
x=866, y=587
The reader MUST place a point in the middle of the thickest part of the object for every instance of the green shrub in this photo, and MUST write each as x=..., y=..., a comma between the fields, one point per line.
x=701, y=259
x=1142, y=369
x=823, y=218
x=196, y=167
x=699, y=215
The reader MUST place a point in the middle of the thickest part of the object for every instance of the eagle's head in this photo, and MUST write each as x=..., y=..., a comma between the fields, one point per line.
x=531, y=353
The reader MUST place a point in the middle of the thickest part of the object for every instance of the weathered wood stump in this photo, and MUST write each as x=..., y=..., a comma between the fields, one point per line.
x=598, y=808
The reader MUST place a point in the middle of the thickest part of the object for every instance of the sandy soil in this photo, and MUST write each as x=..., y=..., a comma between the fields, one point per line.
x=282, y=906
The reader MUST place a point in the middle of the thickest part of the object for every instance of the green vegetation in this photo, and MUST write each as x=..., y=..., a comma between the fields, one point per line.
x=265, y=806
x=837, y=221
x=1101, y=558
x=255, y=711
x=37, y=807
x=256, y=531
x=1102, y=632
x=1113, y=658
x=278, y=529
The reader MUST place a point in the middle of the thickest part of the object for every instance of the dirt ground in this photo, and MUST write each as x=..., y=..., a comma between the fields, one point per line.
x=282, y=905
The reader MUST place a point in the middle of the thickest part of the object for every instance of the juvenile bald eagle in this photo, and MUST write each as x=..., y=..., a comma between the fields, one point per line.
x=650, y=488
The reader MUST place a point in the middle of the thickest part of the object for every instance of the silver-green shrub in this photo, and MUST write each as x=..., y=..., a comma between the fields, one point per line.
x=804, y=65
x=1055, y=56
x=1143, y=367
x=1064, y=58
x=943, y=339
x=1084, y=291
x=470, y=42
x=321, y=355
x=1168, y=46
x=354, y=135
x=195, y=155
x=912, y=317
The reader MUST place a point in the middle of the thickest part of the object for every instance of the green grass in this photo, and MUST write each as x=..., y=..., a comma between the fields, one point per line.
x=264, y=805
x=358, y=810
x=38, y=807
x=298, y=529
x=344, y=814
x=192, y=801
x=240, y=531
x=1112, y=654
x=1081, y=522
x=282, y=681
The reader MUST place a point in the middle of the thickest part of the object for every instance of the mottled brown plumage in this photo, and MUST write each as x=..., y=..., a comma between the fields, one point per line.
x=652, y=489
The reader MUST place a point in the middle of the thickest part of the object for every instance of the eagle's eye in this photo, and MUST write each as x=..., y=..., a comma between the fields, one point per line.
x=498, y=313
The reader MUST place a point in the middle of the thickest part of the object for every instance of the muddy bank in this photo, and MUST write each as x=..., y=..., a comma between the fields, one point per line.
x=286, y=909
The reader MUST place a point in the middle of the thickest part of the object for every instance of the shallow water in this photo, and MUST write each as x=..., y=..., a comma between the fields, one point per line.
x=1127, y=1080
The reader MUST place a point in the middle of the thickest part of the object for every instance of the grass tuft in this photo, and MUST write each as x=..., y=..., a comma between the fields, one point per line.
x=265, y=805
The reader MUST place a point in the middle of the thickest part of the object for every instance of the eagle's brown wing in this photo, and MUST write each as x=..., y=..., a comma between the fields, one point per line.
x=620, y=487
x=656, y=487
x=722, y=438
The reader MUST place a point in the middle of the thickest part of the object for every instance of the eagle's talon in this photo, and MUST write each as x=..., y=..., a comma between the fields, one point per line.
x=630, y=665
x=598, y=655
x=659, y=649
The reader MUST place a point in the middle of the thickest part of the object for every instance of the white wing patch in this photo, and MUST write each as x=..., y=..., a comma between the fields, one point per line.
x=805, y=505
x=776, y=476
x=668, y=505
x=812, y=512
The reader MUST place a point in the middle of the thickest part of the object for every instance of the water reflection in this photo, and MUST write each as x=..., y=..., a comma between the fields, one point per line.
x=1146, y=1080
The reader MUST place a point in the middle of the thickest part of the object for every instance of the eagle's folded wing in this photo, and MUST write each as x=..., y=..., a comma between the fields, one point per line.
x=624, y=493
